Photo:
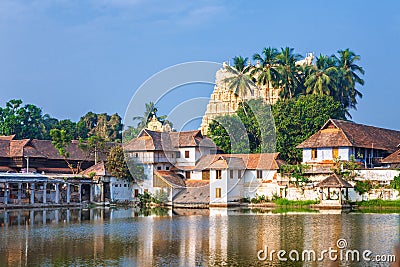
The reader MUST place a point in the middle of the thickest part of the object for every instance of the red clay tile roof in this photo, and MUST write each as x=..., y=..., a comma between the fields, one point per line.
x=392, y=158
x=7, y=137
x=334, y=181
x=262, y=161
x=171, y=178
x=41, y=149
x=336, y=133
x=168, y=141
x=99, y=169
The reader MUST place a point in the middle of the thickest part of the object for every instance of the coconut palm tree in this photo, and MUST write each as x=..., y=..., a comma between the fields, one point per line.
x=239, y=78
x=321, y=78
x=266, y=72
x=150, y=111
x=290, y=80
x=349, y=77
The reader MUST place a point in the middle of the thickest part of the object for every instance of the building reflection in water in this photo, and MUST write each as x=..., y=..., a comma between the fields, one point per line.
x=182, y=237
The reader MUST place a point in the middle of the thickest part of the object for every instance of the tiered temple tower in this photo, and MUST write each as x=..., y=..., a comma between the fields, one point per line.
x=225, y=102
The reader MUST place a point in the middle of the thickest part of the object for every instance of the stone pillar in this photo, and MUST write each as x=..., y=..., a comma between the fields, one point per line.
x=32, y=217
x=57, y=198
x=44, y=217
x=80, y=192
x=19, y=193
x=44, y=193
x=68, y=193
x=6, y=193
x=91, y=193
x=32, y=193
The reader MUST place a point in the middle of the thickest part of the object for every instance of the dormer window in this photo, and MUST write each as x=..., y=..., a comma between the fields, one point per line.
x=186, y=154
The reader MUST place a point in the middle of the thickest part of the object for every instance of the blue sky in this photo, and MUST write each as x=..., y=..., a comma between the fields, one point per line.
x=74, y=56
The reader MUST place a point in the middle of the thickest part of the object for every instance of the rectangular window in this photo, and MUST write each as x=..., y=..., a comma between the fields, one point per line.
x=186, y=154
x=217, y=192
x=239, y=174
x=231, y=174
x=136, y=192
x=205, y=175
x=136, y=155
x=335, y=152
x=159, y=168
x=125, y=185
x=314, y=153
x=187, y=174
x=259, y=174
x=178, y=154
x=167, y=168
x=218, y=174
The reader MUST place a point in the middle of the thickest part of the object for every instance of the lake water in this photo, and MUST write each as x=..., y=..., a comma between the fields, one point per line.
x=184, y=237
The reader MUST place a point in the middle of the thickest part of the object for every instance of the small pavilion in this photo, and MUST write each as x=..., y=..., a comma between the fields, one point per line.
x=331, y=193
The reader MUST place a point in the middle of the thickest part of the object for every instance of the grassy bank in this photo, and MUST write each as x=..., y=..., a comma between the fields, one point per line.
x=379, y=203
x=294, y=203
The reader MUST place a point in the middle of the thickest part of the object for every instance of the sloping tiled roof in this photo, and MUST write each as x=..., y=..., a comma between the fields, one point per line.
x=171, y=178
x=168, y=141
x=334, y=181
x=7, y=137
x=336, y=133
x=196, y=192
x=99, y=169
x=392, y=158
x=261, y=161
x=41, y=149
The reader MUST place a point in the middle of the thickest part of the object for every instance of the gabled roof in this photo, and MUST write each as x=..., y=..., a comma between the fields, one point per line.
x=337, y=133
x=149, y=140
x=392, y=158
x=35, y=148
x=99, y=169
x=334, y=181
x=261, y=161
x=171, y=178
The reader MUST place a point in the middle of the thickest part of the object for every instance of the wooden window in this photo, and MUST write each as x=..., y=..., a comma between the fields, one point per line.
x=218, y=192
x=239, y=174
x=205, y=175
x=136, y=192
x=187, y=174
x=186, y=154
x=231, y=174
x=335, y=152
x=218, y=174
x=314, y=153
x=167, y=168
x=259, y=174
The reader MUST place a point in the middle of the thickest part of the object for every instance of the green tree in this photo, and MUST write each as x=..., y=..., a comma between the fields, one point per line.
x=61, y=140
x=290, y=78
x=267, y=73
x=321, y=78
x=349, y=78
x=92, y=146
x=23, y=121
x=297, y=119
x=239, y=78
x=116, y=164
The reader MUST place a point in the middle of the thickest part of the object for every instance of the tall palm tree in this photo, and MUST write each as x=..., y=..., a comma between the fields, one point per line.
x=349, y=73
x=239, y=79
x=290, y=80
x=267, y=72
x=322, y=78
x=150, y=111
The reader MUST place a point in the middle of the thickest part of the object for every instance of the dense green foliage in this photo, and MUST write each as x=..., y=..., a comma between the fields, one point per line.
x=395, y=184
x=116, y=164
x=335, y=75
x=362, y=187
x=27, y=121
x=287, y=123
x=379, y=203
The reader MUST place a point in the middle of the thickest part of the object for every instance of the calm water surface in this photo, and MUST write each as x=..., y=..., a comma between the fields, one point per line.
x=216, y=237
